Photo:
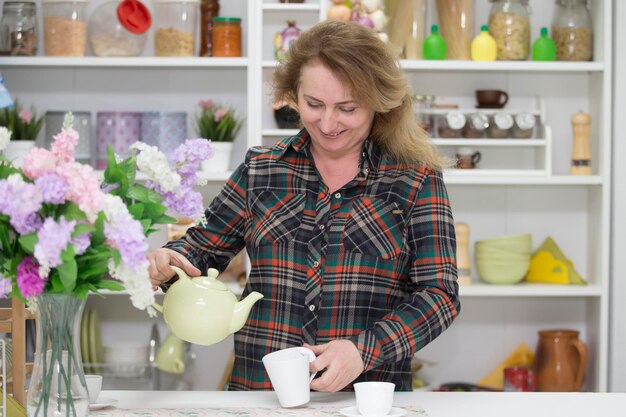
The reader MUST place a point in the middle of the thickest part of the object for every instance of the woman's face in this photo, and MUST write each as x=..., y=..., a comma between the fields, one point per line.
x=338, y=124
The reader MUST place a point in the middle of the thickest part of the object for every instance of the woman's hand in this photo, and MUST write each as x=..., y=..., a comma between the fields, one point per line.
x=341, y=362
x=160, y=270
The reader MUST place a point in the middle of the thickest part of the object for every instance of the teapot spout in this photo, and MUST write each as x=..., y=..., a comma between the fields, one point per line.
x=242, y=310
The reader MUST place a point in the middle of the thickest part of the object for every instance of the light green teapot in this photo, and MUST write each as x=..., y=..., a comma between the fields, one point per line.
x=202, y=310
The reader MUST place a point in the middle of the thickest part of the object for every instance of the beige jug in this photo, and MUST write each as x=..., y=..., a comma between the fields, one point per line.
x=560, y=361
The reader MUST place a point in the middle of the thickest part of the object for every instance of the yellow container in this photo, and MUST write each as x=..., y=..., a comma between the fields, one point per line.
x=484, y=46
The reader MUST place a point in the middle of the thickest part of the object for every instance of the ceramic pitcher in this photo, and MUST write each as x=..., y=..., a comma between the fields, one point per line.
x=560, y=361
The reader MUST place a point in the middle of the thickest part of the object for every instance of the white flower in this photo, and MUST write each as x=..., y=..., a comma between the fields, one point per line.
x=153, y=163
x=137, y=283
x=113, y=205
x=5, y=137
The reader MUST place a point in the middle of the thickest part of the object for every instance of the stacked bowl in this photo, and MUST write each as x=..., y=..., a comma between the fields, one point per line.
x=503, y=260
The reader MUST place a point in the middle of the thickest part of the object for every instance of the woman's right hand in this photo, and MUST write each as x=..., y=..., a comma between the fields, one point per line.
x=160, y=269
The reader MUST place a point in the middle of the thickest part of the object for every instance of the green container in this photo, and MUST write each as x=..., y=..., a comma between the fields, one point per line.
x=544, y=48
x=434, y=45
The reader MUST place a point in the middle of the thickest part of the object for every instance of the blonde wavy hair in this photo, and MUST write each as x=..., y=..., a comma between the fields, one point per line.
x=361, y=60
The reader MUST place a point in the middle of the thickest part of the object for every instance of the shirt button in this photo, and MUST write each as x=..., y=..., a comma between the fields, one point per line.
x=316, y=264
x=337, y=195
x=322, y=227
x=312, y=307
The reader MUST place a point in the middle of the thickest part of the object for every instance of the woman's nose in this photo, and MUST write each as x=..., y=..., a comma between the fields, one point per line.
x=328, y=121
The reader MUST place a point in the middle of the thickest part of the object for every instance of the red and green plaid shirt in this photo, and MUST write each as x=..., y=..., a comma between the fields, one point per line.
x=373, y=262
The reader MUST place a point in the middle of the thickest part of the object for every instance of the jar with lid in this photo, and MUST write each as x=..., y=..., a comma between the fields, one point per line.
x=227, y=36
x=109, y=37
x=572, y=31
x=509, y=24
x=451, y=124
x=65, y=27
x=524, y=125
x=500, y=126
x=175, y=27
x=18, y=29
x=476, y=126
x=208, y=10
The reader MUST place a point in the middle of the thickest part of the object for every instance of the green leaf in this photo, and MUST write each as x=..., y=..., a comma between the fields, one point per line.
x=136, y=210
x=109, y=284
x=165, y=220
x=154, y=210
x=142, y=193
x=71, y=211
x=28, y=242
x=82, y=228
x=97, y=237
x=68, y=254
x=68, y=272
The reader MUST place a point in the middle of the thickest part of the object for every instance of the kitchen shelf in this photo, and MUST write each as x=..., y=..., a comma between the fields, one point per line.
x=280, y=132
x=496, y=178
x=122, y=62
x=529, y=290
x=489, y=142
x=291, y=7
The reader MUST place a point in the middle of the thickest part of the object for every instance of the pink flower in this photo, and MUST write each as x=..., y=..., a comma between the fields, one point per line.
x=84, y=187
x=205, y=104
x=26, y=116
x=28, y=280
x=38, y=162
x=220, y=113
x=64, y=144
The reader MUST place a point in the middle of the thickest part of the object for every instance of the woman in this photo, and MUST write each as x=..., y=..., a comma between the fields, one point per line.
x=347, y=224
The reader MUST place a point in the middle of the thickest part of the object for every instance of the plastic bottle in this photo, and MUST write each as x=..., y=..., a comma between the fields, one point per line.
x=544, y=48
x=435, y=45
x=484, y=46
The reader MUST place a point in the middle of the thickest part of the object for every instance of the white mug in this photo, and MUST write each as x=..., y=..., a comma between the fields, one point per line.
x=94, y=385
x=374, y=399
x=289, y=373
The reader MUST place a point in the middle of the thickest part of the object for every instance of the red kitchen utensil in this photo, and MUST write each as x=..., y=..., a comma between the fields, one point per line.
x=134, y=16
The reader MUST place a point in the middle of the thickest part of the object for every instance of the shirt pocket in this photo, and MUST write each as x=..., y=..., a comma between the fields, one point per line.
x=276, y=217
x=374, y=227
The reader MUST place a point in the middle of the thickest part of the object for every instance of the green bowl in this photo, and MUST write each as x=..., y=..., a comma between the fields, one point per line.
x=502, y=273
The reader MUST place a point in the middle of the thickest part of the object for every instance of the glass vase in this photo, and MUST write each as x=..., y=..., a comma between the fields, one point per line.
x=57, y=386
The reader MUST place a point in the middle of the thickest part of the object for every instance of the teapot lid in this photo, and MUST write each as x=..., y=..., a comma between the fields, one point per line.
x=210, y=281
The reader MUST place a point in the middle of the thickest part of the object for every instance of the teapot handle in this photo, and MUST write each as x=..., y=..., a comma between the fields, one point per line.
x=181, y=274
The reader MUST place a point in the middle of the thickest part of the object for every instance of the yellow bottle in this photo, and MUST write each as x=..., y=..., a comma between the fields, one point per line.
x=484, y=46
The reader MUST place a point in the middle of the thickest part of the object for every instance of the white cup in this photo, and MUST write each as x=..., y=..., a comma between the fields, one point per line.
x=374, y=399
x=94, y=385
x=289, y=373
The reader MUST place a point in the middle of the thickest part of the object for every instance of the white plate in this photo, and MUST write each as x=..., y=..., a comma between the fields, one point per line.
x=102, y=403
x=353, y=412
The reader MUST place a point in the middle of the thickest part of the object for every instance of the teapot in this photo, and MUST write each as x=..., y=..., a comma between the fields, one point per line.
x=202, y=310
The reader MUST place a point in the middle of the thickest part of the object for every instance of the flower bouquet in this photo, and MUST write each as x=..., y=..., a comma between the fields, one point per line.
x=64, y=233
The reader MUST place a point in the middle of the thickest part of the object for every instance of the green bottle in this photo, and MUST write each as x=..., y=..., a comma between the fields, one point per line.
x=434, y=45
x=544, y=48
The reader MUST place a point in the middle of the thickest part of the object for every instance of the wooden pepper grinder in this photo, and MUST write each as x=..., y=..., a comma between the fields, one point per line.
x=463, y=264
x=581, y=153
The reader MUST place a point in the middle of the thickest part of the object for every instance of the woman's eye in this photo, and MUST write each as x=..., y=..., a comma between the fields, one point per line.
x=313, y=105
x=348, y=109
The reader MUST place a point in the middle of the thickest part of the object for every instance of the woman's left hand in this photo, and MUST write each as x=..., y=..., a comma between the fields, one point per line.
x=341, y=362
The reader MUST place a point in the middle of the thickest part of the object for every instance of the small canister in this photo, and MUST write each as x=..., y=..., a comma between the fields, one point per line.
x=500, y=126
x=208, y=10
x=226, y=36
x=65, y=27
x=82, y=124
x=175, y=27
x=524, y=125
x=18, y=29
x=476, y=126
x=118, y=129
x=451, y=124
x=165, y=130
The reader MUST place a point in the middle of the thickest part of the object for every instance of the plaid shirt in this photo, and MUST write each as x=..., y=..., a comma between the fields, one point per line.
x=373, y=262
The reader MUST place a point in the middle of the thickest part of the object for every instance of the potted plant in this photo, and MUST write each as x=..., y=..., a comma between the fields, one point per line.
x=24, y=126
x=220, y=125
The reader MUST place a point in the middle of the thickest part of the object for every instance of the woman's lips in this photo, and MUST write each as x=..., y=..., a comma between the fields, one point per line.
x=332, y=135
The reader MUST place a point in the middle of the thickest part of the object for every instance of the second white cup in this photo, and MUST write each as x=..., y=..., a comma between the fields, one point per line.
x=94, y=385
x=289, y=373
x=374, y=399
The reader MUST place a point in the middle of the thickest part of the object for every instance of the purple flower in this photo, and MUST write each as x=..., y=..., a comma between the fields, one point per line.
x=185, y=201
x=28, y=280
x=53, y=239
x=127, y=235
x=53, y=188
x=5, y=286
x=19, y=198
x=81, y=243
x=26, y=224
x=188, y=158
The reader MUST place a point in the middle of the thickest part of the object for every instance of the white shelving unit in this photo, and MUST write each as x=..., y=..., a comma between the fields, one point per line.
x=575, y=211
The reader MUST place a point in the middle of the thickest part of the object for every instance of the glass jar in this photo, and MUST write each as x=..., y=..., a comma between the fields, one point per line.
x=476, y=126
x=226, y=36
x=456, y=18
x=524, y=125
x=451, y=125
x=18, y=29
x=108, y=37
x=509, y=25
x=500, y=126
x=175, y=27
x=208, y=10
x=65, y=27
x=572, y=31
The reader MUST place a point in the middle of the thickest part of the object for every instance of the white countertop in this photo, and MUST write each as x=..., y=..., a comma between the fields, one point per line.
x=436, y=404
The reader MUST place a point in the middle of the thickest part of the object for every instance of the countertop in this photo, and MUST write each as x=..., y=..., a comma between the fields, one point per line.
x=435, y=404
